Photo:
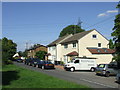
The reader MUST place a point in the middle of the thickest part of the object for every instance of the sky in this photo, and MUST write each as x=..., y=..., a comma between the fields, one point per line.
x=42, y=22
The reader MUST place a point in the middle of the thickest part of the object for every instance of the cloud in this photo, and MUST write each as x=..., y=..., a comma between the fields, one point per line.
x=107, y=13
x=102, y=14
x=112, y=11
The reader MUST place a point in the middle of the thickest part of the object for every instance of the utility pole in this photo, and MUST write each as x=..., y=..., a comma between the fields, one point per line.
x=74, y=28
x=79, y=22
x=26, y=45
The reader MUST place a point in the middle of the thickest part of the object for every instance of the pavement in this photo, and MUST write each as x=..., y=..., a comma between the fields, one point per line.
x=59, y=67
x=81, y=77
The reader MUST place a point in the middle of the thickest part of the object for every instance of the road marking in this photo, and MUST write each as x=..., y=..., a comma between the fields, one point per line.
x=97, y=83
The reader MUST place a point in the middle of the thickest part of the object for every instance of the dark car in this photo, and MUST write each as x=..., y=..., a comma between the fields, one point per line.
x=29, y=61
x=46, y=65
x=19, y=60
x=36, y=62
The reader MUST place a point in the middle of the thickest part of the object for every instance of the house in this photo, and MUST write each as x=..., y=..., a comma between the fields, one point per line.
x=36, y=48
x=85, y=44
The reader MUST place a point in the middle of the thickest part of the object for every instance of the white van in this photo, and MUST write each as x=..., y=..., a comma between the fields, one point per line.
x=81, y=63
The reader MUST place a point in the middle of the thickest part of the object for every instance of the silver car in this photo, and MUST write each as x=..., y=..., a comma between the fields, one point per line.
x=106, y=69
x=118, y=76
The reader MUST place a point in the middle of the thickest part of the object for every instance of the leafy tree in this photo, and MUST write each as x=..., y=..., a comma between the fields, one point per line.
x=71, y=29
x=116, y=37
x=111, y=45
x=23, y=54
x=8, y=50
x=41, y=55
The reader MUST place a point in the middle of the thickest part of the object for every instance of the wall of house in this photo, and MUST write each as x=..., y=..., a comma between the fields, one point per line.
x=52, y=51
x=103, y=58
x=65, y=51
x=89, y=41
x=58, y=52
x=41, y=49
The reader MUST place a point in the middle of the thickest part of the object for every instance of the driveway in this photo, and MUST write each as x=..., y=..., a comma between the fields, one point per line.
x=81, y=77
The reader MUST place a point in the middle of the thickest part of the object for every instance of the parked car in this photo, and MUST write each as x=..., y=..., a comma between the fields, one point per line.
x=81, y=63
x=36, y=62
x=118, y=76
x=29, y=61
x=46, y=65
x=19, y=60
x=106, y=69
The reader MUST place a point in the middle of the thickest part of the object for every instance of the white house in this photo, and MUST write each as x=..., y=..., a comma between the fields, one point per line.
x=85, y=44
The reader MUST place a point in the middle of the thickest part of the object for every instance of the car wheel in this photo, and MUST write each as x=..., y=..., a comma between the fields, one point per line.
x=43, y=67
x=34, y=65
x=107, y=74
x=37, y=66
x=72, y=69
x=92, y=69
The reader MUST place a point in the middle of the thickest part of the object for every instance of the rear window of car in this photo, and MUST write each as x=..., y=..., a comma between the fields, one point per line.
x=47, y=62
x=101, y=65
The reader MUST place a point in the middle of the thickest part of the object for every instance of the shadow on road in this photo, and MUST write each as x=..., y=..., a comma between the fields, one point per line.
x=8, y=76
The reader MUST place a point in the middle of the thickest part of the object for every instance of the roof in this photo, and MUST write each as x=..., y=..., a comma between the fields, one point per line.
x=48, y=54
x=74, y=53
x=36, y=46
x=101, y=51
x=58, y=40
x=76, y=37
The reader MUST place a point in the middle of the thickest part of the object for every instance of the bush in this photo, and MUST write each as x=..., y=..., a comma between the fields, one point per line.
x=62, y=63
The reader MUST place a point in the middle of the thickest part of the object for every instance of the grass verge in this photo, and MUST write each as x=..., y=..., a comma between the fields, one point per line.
x=17, y=77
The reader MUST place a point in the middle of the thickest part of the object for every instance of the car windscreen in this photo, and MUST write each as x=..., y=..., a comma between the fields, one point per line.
x=101, y=65
x=48, y=62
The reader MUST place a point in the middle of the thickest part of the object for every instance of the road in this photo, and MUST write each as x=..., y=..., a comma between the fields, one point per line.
x=81, y=77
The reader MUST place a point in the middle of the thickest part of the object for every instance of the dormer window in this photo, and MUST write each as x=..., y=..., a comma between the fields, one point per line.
x=94, y=36
x=98, y=50
x=105, y=50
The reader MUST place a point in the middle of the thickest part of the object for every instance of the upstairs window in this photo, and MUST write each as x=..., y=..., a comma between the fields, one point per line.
x=66, y=46
x=74, y=45
x=94, y=36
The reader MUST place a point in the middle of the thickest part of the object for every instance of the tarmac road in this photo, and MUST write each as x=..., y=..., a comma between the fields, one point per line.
x=81, y=77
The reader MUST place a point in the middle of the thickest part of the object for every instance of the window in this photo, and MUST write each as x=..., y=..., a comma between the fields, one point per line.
x=76, y=61
x=105, y=50
x=94, y=36
x=53, y=48
x=66, y=46
x=99, y=44
x=101, y=66
x=98, y=50
x=74, y=45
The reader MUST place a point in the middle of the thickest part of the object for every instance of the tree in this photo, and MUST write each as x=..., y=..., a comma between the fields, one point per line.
x=41, y=55
x=116, y=37
x=23, y=54
x=111, y=45
x=8, y=50
x=71, y=29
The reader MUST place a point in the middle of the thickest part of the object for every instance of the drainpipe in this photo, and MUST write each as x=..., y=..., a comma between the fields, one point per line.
x=78, y=48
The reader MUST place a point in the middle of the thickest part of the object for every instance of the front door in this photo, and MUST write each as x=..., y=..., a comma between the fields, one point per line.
x=65, y=59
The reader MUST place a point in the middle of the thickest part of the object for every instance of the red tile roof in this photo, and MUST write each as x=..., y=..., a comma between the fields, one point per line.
x=74, y=53
x=101, y=51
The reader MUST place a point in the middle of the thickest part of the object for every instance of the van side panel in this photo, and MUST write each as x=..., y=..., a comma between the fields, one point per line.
x=86, y=64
